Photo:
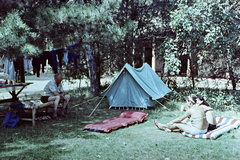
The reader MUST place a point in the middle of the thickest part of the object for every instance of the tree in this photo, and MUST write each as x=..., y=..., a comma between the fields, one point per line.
x=107, y=30
x=202, y=29
x=90, y=24
x=52, y=24
x=14, y=34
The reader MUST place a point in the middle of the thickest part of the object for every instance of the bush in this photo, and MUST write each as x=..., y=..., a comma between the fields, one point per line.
x=223, y=100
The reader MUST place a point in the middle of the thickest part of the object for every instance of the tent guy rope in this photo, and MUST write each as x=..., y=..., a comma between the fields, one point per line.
x=96, y=107
x=84, y=102
x=162, y=105
x=99, y=103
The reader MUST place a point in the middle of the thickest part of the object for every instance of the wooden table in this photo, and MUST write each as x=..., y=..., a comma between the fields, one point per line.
x=13, y=89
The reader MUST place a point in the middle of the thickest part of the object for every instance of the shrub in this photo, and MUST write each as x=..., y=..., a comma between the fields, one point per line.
x=218, y=99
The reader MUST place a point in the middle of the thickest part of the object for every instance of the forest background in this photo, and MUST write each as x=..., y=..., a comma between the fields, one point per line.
x=115, y=32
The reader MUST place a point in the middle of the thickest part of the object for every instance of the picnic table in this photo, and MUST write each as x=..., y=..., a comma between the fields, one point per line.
x=13, y=89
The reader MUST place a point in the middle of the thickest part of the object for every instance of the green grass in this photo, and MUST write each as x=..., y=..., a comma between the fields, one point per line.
x=66, y=139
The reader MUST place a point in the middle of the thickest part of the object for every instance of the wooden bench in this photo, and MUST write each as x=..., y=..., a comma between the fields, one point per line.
x=34, y=106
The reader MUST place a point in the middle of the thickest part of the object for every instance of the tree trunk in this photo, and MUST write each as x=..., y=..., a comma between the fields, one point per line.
x=230, y=70
x=98, y=64
x=191, y=71
x=232, y=79
x=231, y=73
x=92, y=67
x=19, y=65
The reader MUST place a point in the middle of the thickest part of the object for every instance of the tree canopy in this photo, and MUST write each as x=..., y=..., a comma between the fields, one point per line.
x=202, y=30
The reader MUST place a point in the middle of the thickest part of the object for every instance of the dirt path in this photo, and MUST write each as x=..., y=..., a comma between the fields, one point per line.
x=40, y=82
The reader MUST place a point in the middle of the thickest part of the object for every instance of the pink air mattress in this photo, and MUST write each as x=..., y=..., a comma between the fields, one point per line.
x=124, y=119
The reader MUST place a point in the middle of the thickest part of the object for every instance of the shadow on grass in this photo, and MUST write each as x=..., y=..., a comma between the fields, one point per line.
x=36, y=152
x=48, y=138
x=45, y=140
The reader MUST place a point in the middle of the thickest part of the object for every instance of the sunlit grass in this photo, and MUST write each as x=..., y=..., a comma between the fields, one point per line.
x=66, y=139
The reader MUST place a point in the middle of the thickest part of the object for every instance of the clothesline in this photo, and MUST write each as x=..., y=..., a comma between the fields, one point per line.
x=54, y=58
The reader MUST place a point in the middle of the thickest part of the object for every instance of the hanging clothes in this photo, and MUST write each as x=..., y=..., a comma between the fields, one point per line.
x=36, y=61
x=46, y=55
x=27, y=64
x=19, y=67
x=60, y=54
x=54, y=61
x=66, y=55
x=41, y=59
x=77, y=45
x=54, y=57
x=9, y=67
x=72, y=56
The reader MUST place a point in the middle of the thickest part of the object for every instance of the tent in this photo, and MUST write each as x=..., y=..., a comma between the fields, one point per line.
x=138, y=88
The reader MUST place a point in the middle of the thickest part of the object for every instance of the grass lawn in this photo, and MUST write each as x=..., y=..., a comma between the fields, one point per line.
x=66, y=139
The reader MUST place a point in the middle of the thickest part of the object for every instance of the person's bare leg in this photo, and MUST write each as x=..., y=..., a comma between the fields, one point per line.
x=161, y=126
x=181, y=126
x=65, y=103
x=174, y=126
x=56, y=100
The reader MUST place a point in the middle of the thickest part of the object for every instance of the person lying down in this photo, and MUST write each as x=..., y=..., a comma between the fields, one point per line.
x=193, y=121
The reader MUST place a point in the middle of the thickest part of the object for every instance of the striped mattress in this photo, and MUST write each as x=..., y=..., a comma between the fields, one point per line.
x=223, y=125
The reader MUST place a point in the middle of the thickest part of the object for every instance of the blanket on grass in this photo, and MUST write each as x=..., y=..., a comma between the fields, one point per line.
x=223, y=125
x=124, y=119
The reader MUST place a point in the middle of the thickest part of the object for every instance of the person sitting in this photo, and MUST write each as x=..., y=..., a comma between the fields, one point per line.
x=195, y=124
x=53, y=91
x=212, y=124
x=208, y=111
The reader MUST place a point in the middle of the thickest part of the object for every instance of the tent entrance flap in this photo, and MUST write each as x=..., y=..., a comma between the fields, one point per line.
x=135, y=88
